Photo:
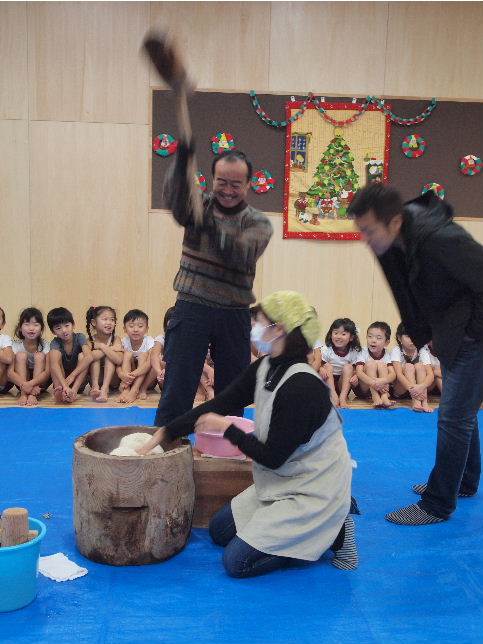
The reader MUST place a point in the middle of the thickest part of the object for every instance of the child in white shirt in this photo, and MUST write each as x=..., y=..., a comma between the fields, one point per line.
x=428, y=358
x=338, y=357
x=30, y=370
x=412, y=376
x=374, y=367
x=6, y=356
x=107, y=351
x=136, y=362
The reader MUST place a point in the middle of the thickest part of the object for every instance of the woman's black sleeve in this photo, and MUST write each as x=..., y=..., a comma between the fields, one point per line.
x=301, y=406
x=240, y=393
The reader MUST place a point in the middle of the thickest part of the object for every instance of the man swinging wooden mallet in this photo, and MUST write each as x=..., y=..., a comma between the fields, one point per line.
x=223, y=239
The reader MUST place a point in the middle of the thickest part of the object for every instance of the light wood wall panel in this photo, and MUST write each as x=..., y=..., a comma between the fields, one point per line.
x=328, y=47
x=89, y=204
x=435, y=49
x=165, y=239
x=84, y=61
x=13, y=57
x=226, y=44
x=15, y=290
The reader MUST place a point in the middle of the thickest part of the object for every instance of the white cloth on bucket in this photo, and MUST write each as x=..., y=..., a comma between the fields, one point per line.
x=60, y=568
x=131, y=442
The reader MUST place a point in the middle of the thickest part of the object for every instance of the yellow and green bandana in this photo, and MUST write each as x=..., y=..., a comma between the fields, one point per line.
x=292, y=310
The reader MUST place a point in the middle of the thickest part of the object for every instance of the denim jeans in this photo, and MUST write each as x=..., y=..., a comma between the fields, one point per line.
x=239, y=558
x=458, y=462
x=193, y=329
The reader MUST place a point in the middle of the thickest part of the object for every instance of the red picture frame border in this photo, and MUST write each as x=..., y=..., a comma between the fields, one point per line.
x=290, y=105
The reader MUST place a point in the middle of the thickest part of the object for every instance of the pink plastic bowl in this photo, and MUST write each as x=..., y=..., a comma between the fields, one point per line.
x=213, y=443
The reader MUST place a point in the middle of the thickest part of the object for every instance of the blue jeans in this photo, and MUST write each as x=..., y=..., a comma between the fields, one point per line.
x=193, y=329
x=458, y=461
x=239, y=558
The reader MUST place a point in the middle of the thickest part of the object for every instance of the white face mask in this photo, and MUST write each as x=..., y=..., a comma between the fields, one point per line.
x=256, y=335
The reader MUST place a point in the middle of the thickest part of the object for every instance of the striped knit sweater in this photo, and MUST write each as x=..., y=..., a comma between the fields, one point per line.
x=218, y=259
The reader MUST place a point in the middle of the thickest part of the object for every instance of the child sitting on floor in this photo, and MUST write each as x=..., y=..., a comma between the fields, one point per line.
x=428, y=358
x=337, y=359
x=136, y=362
x=107, y=352
x=70, y=356
x=374, y=368
x=412, y=376
x=156, y=375
x=30, y=370
x=6, y=356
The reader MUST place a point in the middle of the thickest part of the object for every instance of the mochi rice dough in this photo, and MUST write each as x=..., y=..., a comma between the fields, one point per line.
x=131, y=442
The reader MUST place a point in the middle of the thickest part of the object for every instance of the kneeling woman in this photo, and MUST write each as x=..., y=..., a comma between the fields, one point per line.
x=298, y=506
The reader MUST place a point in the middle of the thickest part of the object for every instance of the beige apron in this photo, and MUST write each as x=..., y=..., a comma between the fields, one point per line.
x=298, y=509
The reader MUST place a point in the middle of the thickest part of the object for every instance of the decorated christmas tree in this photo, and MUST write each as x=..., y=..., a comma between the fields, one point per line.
x=335, y=174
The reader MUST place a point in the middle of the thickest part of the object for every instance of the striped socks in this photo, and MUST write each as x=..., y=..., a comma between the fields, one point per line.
x=412, y=515
x=419, y=488
x=346, y=557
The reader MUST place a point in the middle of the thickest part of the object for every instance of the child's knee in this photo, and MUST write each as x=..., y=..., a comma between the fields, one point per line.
x=370, y=368
x=21, y=358
x=39, y=359
x=409, y=369
x=347, y=370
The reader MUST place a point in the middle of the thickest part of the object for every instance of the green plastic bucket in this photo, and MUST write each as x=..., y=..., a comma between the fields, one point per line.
x=19, y=566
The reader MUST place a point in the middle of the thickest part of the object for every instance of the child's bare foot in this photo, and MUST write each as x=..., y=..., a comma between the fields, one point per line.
x=143, y=395
x=343, y=404
x=130, y=396
x=58, y=395
x=417, y=405
x=94, y=393
x=103, y=396
x=386, y=403
x=32, y=400
x=69, y=396
x=22, y=399
x=36, y=391
x=123, y=386
x=127, y=396
x=334, y=399
x=426, y=408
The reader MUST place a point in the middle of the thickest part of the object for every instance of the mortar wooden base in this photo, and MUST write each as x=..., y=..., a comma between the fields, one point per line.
x=217, y=481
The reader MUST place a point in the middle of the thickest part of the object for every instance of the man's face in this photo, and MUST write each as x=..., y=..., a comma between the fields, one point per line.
x=376, y=234
x=230, y=182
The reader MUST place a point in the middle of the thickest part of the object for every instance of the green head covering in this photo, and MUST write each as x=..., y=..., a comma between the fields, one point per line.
x=292, y=310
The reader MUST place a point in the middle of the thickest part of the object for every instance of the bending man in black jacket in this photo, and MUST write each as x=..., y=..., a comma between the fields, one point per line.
x=435, y=270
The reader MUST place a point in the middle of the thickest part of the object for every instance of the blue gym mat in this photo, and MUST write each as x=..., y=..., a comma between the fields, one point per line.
x=413, y=585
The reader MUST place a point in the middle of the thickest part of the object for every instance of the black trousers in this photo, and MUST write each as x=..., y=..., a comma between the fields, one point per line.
x=191, y=331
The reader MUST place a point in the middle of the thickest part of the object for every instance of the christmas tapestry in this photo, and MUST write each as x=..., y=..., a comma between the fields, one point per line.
x=331, y=151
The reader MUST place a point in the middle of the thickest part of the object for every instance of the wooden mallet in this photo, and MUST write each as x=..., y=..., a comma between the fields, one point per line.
x=14, y=527
x=162, y=52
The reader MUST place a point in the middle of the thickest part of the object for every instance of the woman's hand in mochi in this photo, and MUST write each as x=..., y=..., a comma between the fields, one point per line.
x=159, y=437
x=212, y=423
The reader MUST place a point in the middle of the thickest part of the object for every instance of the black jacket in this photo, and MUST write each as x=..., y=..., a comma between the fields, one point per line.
x=436, y=276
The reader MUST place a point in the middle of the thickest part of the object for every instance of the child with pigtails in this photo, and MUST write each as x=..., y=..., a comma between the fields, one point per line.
x=107, y=351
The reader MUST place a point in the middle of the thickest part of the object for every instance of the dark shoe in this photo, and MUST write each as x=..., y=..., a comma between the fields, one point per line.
x=412, y=515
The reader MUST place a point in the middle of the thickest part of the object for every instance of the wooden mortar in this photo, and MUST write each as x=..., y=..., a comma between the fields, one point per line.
x=131, y=510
